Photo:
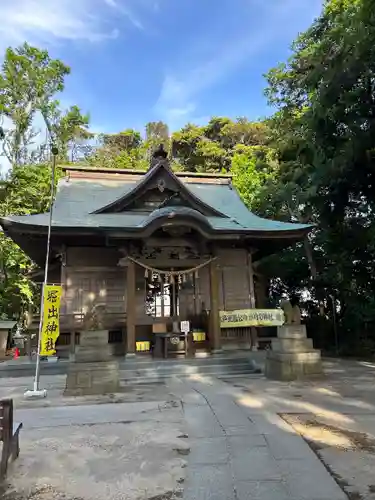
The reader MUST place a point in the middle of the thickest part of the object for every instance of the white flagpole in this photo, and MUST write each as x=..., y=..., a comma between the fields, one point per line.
x=37, y=392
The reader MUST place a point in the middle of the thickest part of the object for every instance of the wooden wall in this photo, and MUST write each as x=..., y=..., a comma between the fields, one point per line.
x=235, y=290
x=91, y=276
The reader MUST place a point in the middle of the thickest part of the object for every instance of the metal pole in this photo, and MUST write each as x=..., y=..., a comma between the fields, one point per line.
x=36, y=391
x=335, y=324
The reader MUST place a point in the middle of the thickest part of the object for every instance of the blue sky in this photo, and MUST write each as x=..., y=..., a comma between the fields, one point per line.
x=135, y=61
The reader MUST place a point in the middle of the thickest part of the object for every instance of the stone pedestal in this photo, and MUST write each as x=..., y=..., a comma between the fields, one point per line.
x=293, y=355
x=3, y=343
x=93, y=371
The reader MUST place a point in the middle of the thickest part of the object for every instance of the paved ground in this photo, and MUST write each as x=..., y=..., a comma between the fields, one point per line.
x=242, y=451
x=100, y=452
x=235, y=439
x=335, y=415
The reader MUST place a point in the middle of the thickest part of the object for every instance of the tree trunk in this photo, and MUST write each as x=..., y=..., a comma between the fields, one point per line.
x=310, y=257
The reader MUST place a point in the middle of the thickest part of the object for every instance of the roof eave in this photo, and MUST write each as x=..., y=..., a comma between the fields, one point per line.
x=294, y=234
x=198, y=175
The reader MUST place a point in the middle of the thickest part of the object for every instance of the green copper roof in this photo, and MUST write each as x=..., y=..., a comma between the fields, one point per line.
x=77, y=200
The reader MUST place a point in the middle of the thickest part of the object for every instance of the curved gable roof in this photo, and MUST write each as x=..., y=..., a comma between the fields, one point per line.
x=139, y=187
x=80, y=200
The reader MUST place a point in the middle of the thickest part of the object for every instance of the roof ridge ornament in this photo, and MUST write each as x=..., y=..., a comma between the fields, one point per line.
x=159, y=156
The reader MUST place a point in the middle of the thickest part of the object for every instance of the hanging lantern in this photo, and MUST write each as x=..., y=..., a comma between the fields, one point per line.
x=146, y=273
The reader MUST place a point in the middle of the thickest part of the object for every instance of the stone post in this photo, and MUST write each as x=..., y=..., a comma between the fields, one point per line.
x=3, y=342
x=94, y=371
x=292, y=355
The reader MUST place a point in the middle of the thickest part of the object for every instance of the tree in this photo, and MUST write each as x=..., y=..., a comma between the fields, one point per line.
x=23, y=190
x=125, y=149
x=242, y=131
x=253, y=167
x=156, y=133
x=326, y=101
x=184, y=147
x=29, y=81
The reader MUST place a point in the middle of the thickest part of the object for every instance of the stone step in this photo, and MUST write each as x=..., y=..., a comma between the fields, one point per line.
x=219, y=359
x=292, y=344
x=130, y=378
x=134, y=372
x=188, y=370
x=291, y=332
x=311, y=356
x=222, y=364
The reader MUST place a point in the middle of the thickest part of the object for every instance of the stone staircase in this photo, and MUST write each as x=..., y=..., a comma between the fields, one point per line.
x=146, y=371
x=143, y=370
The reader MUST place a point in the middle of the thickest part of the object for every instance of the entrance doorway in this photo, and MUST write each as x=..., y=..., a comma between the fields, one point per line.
x=162, y=297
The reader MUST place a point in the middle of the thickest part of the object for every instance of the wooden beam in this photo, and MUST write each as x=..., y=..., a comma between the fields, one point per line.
x=215, y=334
x=130, y=309
x=254, y=332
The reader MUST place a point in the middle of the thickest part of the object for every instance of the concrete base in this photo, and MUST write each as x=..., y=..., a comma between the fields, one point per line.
x=92, y=378
x=291, y=367
x=292, y=355
x=93, y=371
x=36, y=394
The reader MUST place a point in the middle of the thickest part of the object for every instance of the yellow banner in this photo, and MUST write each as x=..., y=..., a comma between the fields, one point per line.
x=51, y=319
x=251, y=317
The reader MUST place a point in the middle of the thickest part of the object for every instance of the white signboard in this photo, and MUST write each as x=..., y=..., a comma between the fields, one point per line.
x=185, y=327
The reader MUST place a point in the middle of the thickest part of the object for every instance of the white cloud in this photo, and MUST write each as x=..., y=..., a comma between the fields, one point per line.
x=47, y=21
x=276, y=19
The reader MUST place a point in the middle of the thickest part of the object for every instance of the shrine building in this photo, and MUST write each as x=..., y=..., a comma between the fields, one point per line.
x=145, y=251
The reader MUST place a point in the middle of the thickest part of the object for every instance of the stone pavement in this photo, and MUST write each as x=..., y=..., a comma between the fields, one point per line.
x=335, y=414
x=241, y=453
x=233, y=439
x=117, y=451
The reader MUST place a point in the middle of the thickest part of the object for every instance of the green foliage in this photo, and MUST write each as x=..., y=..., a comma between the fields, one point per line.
x=123, y=150
x=184, y=146
x=29, y=82
x=24, y=190
x=127, y=140
x=253, y=167
x=324, y=131
x=156, y=133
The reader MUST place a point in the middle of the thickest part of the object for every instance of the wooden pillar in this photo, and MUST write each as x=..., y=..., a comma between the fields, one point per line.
x=130, y=309
x=254, y=333
x=72, y=344
x=215, y=334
